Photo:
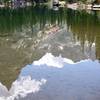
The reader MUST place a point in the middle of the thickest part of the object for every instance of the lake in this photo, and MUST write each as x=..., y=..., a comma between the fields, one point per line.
x=26, y=34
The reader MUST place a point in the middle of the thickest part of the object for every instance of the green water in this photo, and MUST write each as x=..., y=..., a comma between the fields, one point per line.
x=23, y=37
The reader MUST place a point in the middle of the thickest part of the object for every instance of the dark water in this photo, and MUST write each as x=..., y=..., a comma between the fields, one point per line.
x=26, y=34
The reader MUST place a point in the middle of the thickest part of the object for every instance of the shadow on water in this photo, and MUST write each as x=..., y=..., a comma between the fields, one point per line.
x=19, y=38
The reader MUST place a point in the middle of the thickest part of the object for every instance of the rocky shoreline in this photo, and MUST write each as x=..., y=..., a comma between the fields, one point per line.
x=74, y=6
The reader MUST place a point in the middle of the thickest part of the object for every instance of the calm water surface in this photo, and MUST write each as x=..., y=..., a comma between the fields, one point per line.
x=26, y=34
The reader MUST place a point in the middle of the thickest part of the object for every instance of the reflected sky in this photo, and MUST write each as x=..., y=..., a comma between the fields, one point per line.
x=55, y=78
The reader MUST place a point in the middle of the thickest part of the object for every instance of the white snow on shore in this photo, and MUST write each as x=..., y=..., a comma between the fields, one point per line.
x=56, y=78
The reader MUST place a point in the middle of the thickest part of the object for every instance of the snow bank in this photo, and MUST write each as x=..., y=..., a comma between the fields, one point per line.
x=56, y=78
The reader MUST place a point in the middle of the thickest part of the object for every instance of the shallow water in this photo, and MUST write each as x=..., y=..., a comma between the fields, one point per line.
x=26, y=34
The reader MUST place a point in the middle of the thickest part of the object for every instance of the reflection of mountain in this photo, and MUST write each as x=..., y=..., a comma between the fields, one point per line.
x=18, y=50
x=22, y=32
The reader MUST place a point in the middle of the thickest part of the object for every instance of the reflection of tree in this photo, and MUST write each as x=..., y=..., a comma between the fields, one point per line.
x=85, y=27
x=11, y=20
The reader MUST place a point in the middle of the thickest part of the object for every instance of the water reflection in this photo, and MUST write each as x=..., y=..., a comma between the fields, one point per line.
x=26, y=35
x=85, y=27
